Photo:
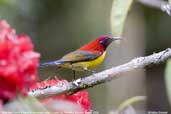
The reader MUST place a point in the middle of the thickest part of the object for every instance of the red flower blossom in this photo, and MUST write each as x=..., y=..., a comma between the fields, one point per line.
x=18, y=62
x=81, y=98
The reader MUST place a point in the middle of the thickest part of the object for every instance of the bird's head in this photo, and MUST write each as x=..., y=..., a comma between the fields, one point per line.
x=105, y=40
x=101, y=43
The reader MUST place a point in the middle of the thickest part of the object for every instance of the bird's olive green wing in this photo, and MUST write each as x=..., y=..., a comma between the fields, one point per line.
x=80, y=56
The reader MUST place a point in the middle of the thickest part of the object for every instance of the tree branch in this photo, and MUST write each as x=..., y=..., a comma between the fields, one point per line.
x=103, y=76
x=158, y=4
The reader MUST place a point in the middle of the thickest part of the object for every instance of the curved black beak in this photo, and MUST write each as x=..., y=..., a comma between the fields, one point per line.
x=117, y=38
x=110, y=39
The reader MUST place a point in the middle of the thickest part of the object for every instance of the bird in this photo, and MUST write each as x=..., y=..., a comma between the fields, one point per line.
x=86, y=57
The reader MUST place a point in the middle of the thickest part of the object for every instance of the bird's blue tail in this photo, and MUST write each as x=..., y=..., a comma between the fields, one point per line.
x=52, y=63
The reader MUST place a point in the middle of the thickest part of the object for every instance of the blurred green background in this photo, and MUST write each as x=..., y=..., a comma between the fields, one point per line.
x=60, y=26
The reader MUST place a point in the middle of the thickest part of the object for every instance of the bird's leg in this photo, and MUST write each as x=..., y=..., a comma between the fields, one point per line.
x=74, y=73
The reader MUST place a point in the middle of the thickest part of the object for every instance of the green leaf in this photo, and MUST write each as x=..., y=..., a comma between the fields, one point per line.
x=34, y=104
x=119, y=13
x=168, y=79
x=169, y=1
x=27, y=104
x=129, y=110
x=129, y=102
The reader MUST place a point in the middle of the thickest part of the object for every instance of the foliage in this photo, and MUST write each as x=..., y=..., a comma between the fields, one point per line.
x=168, y=79
x=119, y=13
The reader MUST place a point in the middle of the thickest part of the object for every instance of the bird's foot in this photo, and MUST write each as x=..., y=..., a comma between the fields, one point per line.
x=77, y=82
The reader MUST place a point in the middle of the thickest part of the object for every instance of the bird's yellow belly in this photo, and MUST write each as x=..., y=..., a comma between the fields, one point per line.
x=81, y=66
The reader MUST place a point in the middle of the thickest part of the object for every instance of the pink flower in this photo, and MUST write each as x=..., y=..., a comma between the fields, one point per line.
x=18, y=62
x=80, y=98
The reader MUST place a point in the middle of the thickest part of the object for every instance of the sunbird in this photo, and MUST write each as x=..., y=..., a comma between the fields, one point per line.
x=86, y=57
